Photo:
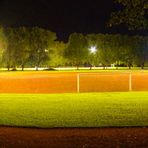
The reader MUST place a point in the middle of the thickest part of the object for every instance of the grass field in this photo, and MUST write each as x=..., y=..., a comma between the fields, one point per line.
x=81, y=69
x=74, y=110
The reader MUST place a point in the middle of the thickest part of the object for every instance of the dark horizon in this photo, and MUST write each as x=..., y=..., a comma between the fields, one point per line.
x=63, y=17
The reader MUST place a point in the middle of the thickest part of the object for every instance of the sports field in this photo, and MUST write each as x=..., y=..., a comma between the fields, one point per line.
x=26, y=100
x=70, y=82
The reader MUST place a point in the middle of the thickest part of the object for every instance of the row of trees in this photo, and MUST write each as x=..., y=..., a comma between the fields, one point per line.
x=110, y=49
x=25, y=46
x=30, y=47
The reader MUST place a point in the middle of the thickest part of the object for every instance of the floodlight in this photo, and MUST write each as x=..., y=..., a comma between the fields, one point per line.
x=93, y=49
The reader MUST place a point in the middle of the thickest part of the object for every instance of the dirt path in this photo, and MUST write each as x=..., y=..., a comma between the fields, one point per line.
x=74, y=138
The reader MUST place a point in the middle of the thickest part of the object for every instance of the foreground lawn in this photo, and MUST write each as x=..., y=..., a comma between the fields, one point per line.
x=74, y=110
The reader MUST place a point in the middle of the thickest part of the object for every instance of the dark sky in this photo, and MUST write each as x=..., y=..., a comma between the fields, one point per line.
x=61, y=16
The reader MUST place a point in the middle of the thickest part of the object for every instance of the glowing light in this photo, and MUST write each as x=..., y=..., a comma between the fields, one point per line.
x=46, y=50
x=93, y=49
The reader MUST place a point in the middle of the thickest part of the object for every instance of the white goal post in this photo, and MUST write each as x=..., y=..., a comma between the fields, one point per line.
x=78, y=83
x=129, y=82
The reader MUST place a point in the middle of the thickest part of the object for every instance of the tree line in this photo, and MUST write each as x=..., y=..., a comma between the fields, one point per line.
x=38, y=47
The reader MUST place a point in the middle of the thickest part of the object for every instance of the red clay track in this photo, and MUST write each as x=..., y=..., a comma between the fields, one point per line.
x=140, y=82
x=37, y=83
x=104, y=82
x=44, y=82
x=74, y=138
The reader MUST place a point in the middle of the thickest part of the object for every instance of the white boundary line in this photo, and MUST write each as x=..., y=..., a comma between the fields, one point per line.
x=130, y=82
x=78, y=83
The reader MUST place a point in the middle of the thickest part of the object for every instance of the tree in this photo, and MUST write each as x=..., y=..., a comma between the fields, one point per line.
x=141, y=50
x=22, y=46
x=57, y=56
x=129, y=51
x=105, y=52
x=133, y=14
x=41, y=41
x=3, y=43
x=117, y=46
x=77, y=49
x=17, y=50
x=9, y=55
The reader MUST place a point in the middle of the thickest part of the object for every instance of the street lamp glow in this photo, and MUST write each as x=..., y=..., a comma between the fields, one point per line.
x=46, y=50
x=93, y=49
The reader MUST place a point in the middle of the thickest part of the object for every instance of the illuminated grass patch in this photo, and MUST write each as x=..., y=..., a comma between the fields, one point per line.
x=74, y=110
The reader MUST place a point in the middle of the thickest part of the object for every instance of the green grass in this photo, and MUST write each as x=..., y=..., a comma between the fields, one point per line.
x=120, y=69
x=74, y=110
x=76, y=71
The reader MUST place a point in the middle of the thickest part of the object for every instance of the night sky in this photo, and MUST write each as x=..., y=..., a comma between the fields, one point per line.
x=61, y=16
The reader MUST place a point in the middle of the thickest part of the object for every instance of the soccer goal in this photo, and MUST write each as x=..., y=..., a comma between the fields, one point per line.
x=104, y=82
